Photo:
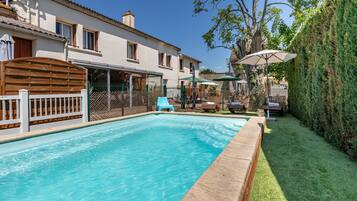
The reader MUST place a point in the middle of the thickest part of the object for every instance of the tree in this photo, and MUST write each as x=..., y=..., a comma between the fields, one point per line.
x=207, y=71
x=242, y=27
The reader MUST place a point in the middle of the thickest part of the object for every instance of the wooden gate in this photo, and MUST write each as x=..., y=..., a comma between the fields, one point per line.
x=41, y=76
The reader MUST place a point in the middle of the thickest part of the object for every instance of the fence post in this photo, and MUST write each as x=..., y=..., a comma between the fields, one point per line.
x=147, y=98
x=24, y=111
x=84, y=105
x=165, y=90
x=131, y=91
x=122, y=100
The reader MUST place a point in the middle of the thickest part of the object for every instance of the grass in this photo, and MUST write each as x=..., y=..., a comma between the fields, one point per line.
x=297, y=164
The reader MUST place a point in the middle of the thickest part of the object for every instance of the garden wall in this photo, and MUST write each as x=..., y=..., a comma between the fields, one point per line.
x=323, y=77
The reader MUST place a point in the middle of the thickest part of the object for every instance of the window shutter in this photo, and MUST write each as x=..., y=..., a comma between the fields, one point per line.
x=74, y=35
x=96, y=37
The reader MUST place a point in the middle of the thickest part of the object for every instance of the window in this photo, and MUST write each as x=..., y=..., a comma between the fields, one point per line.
x=89, y=40
x=161, y=59
x=168, y=60
x=191, y=67
x=66, y=31
x=132, y=51
x=181, y=64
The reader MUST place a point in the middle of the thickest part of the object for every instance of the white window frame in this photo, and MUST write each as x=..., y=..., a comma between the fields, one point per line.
x=181, y=67
x=70, y=42
x=191, y=67
x=161, y=61
x=85, y=45
x=168, y=63
x=136, y=57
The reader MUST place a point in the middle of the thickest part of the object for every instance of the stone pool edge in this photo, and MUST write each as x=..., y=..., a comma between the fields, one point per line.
x=230, y=176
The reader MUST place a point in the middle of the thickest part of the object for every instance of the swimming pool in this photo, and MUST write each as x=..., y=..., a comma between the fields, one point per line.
x=153, y=157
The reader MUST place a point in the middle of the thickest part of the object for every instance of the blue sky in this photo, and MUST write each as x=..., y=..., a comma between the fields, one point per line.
x=171, y=21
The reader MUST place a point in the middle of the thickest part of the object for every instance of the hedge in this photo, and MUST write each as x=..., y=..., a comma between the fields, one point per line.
x=323, y=77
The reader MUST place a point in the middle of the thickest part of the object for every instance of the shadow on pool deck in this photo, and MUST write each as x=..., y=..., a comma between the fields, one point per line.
x=297, y=164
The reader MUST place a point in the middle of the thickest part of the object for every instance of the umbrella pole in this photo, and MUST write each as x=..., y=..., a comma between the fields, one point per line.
x=266, y=66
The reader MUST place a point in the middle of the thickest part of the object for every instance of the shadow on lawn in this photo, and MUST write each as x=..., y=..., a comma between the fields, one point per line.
x=300, y=165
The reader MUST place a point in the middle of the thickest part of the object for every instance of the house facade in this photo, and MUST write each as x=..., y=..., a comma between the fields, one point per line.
x=116, y=54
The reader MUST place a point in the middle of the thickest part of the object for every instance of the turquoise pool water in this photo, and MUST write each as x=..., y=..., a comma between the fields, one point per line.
x=153, y=157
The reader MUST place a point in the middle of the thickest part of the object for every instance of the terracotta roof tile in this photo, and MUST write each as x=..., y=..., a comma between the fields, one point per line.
x=27, y=26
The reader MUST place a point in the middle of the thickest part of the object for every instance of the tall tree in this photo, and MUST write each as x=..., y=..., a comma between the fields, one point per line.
x=240, y=26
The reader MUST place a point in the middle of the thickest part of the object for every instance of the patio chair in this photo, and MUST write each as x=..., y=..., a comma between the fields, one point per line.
x=210, y=106
x=236, y=106
x=163, y=104
x=276, y=105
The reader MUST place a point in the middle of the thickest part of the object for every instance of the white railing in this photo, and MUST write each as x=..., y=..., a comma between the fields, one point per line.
x=10, y=110
x=54, y=106
x=25, y=108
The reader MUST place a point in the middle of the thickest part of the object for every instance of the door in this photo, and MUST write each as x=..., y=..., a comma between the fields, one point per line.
x=23, y=48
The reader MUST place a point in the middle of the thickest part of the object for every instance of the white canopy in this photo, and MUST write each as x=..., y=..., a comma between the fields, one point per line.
x=6, y=47
x=267, y=57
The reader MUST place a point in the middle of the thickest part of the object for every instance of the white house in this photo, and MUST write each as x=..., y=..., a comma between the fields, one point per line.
x=116, y=54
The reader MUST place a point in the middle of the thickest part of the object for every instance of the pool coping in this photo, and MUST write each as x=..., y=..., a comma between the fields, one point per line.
x=230, y=175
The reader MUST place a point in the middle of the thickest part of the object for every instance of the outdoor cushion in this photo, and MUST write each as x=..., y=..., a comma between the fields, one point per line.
x=274, y=104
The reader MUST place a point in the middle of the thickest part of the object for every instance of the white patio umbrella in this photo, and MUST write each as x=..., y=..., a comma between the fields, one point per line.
x=267, y=57
x=6, y=47
x=209, y=83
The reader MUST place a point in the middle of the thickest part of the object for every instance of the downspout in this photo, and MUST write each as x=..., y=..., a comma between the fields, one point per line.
x=28, y=11
x=37, y=6
x=66, y=50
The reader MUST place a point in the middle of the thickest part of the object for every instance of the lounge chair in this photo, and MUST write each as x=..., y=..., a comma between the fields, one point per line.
x=163, y=104
x=210, y=106
x=275, y=107
x=236, y=106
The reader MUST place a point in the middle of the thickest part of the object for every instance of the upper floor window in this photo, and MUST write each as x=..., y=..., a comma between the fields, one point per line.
x=168, y=60
x=161, y=59
x=132, y=50
x=191, y=67
x=181, y=64
x=65, y=30
x=90, y=39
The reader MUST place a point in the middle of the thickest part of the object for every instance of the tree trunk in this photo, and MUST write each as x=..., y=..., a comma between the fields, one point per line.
x=245, y=47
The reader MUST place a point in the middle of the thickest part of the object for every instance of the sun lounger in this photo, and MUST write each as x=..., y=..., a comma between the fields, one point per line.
x=236, y=106
x=163, y=104
x=210, y=106
x=274, y=107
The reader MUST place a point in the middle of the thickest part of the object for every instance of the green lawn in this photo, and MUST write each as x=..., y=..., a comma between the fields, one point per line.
x=297, y=164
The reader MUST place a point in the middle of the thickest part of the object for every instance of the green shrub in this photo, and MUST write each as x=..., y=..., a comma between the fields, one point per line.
x=323, y=77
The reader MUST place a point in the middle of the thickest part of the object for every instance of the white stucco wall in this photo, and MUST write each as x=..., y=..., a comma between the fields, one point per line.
x=186, y=68
x=41, y=46
x=112, y=40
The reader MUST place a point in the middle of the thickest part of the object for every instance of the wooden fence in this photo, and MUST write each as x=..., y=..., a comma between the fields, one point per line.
x=47, y=81
x=41, y=76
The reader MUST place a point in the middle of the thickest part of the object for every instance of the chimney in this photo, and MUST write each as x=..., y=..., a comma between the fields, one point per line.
x=129, y=19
